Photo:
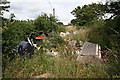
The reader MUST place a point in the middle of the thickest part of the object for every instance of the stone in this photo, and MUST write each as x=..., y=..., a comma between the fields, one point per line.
x=72, y=43
x=90, y=53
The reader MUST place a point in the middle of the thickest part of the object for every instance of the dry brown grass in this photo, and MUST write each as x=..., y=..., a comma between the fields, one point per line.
x=82, y=35
x=69, y=28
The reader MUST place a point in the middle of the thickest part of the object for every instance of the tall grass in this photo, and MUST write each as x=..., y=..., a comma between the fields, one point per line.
x=69, y=28
x=63, y=66
x=81, y=35
x=58, y=67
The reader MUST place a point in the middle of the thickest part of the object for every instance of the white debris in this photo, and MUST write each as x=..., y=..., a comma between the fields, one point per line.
x=77, y=52
x=53, y=53
x=35, y=45
x=81, y=43
x=45, y=75
x=72, y=43
x=38, y=48
x=62, y=34
x=75, y=32
x=67, y=33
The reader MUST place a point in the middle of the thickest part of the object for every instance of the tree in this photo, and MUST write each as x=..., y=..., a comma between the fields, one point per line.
x=60, y=23
x=75, y=22
x=86, y=14
x=113, y=30
x=4, y=7
x=45, y=23
x=114, y=8
x=107, y=34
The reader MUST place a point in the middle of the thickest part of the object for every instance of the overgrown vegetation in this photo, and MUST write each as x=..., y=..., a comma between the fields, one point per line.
x=89, y=28
x=64, y=67
x=104, y=32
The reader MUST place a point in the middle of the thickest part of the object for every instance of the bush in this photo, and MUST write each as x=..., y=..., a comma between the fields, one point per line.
x=53, y=40
x=14, y=33
x=45, y=23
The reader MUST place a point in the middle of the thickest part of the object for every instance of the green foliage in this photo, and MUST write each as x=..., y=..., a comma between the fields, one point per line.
x=107, y=34
x=97, y=34
x=15, y=32
x=45, y=23
x=113, y=7
x=58, y=67
x=75, y=22
x=60, y=23
x=4, y=7
x=88, y=13
x=61, y=27
x=53, y=40
x=103, y=32
x=114, y=50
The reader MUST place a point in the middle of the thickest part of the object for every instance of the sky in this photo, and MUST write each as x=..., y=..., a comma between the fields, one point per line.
x=30, y=9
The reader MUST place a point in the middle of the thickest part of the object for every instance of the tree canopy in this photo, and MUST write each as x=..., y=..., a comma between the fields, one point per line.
x=4, y=6
x=45, y=23
x=88, y=13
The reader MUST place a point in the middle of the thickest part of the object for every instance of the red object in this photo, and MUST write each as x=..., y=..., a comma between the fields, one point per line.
x=40, y=37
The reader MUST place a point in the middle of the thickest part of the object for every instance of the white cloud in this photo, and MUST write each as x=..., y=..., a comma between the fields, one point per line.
x=30, y=9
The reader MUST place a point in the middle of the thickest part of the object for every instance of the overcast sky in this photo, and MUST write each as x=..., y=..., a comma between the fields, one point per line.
x=30, y=9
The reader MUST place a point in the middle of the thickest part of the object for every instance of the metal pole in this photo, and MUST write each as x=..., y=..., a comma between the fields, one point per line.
x=54, y=12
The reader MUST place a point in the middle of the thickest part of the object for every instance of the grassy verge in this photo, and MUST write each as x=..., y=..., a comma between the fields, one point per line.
x=58, y=67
